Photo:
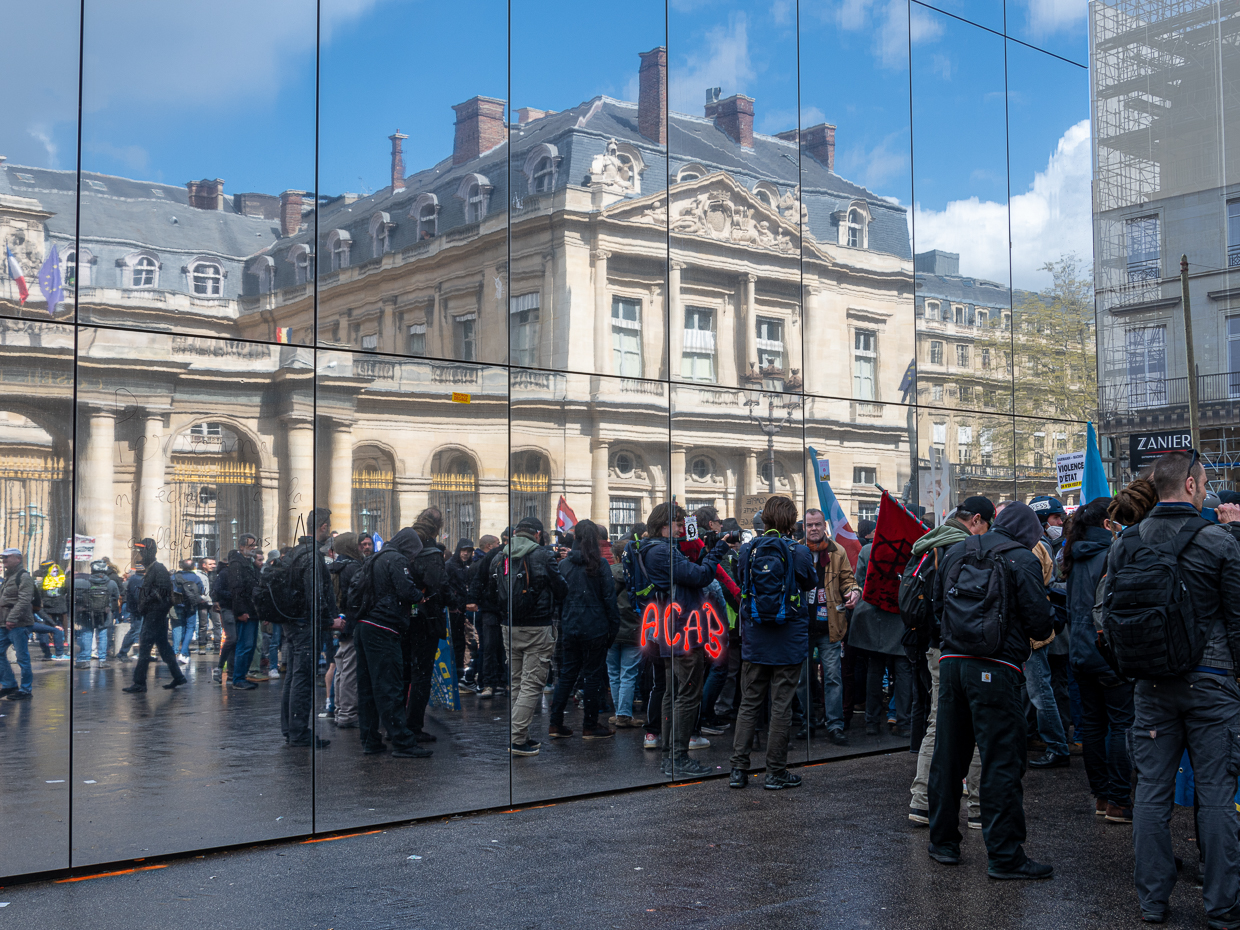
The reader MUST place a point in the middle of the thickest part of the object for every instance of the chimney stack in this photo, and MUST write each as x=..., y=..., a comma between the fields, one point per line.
x=735, y=117
x=652, y=95
x=479, y=128
x=398, y=161
x=712, y=101
x=290, y=212
x=819, y=141
x=205, y=194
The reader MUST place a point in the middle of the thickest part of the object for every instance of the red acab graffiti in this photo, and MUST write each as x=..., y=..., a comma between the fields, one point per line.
x=663, y=626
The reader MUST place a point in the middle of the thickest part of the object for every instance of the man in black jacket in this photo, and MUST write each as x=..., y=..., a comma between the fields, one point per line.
x=308, y=572
x=344, y=681
x=154, y=601
x=380, y=658
x=457, y=569
x=981, y=699
x=243, y=576
x=430, y=574
x=492, y=676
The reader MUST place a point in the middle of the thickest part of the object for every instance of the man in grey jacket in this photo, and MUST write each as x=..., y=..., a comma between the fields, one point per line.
x=16, y=619
x=1198, y=711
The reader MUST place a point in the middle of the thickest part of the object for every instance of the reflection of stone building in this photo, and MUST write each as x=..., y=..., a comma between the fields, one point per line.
x=566, y=258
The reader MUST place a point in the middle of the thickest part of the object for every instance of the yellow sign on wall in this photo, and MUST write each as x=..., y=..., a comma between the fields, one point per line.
x=459, y=398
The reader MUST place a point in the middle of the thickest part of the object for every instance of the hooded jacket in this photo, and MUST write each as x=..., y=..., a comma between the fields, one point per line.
x=481, y=590
x=307, y=570
x=835, y=582
x=82, y=584
x=942, y=537
x=626, y=634
x=669, y=573
x=1089, y=562
x=55, y=588
x=430, y=574
x=243, y=578
x=1029, y=610
x=341, y=571
x=548, y=583
x=17, y=597
x=395, y=592
x=155, y=595
x=589, y=610
x=457, y=590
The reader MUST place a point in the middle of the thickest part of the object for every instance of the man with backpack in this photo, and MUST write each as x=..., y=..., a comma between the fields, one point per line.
x=484, y=599
x=972, y=518
x=301, y=590
x=990, y=603
x=237, y=601
x=18, y=602
x=154, y=601
x=95, y=597
x=187, y=596
x=1171, y=617
x=379, y=601
x=528, y=585
x=774, y=571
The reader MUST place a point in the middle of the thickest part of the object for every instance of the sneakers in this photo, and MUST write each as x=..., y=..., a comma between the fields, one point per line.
x=273, y=674
x=714, y=728
x=63, y=658
x=1228, y=921
x=528, y=748
x=215, y=675
x=5, y=692
x=257, y=676
x=424, y=737
x=652, y=741
x=104, y=663
x=699, y=742
x=1051, y=760
x=919, y=816
x=739, y=779
x=686, y=768
x=597, y=732
x=20, y=695
x=558, y=731
x=1117, y=814
x=413, y=752
x=777, y=782
x=244, y=685
x=469, y=687
x=945, y=855
x=183, y=660
x=1028, y=870
x=487, y=692
x=975, y=823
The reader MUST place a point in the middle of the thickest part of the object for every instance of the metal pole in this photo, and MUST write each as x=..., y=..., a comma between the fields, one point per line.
x=1193, y=426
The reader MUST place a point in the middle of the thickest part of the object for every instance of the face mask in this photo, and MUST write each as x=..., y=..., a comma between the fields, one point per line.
x=1054, y=532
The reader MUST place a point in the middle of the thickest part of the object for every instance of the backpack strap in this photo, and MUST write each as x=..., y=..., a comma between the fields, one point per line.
x=1191, y=528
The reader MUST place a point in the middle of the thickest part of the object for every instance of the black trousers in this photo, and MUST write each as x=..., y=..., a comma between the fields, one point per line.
x=456, y=622
x=587, y=658
x=494, y=673
x=757, y=681
x=423, y=644
x=155, y=633
x=1106, y=718
x=654, y=706
x=922, y=683
x=297, y=692
x=381, y=688
x=980, y=702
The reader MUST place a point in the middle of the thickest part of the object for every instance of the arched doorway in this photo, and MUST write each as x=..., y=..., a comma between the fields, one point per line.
x=215, y=494
x=35, y=490
x=454, y=490
x=374, y=492
x=530, y=494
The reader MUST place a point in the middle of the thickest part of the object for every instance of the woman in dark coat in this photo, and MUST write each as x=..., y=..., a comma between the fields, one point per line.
x=589, y=622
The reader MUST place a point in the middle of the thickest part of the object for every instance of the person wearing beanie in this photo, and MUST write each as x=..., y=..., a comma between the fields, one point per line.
x=154, y=602
x=981, y=698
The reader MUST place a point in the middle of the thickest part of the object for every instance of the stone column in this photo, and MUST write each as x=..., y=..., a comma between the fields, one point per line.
x=547, y=323
x=298, y=479
x=600, y=495
x=602, y=315
x=96, y=505
x=749, y=317
x=813, y=349
x=676, y=323
x=152, y=484
x=340, y=479
x=751, y=475
x=678, y=475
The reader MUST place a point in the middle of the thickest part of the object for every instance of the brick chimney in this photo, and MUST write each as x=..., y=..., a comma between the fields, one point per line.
x=479, y=128
x=290, y=212
x=398, y=161
x=652, y=95
x=205, y=194
x=735, y=117
x=819, y=141
x=712, y=101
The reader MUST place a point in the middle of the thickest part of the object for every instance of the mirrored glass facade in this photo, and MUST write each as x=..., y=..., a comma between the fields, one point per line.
x=279, y=298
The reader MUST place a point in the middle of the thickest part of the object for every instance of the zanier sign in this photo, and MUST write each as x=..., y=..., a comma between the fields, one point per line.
x=1144, y=448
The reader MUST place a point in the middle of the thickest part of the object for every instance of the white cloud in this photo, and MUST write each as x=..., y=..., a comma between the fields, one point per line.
x=134, y=157
x=42, y=134
x=1049, y=219
x=721, y=61
x=890, y=22
x=1050, y=16
x=781, y=12
x=874, y=167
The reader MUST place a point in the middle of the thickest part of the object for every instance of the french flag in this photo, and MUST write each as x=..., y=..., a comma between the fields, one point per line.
x=15, y=272
x=565, y=519
x=843, y=534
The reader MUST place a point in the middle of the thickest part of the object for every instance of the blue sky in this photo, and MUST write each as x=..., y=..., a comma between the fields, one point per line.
x=234, y=97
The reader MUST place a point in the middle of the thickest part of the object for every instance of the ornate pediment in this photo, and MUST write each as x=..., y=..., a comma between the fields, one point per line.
x=717, y=208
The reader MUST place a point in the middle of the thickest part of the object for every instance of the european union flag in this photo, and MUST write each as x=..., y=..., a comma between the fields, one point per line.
x=906, y=383
x=49, y=281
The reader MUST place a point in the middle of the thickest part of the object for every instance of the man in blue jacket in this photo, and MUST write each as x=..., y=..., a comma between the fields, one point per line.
x=773, y=572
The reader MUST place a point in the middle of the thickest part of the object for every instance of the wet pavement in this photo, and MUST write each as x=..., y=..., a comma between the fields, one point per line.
x=838, y=852
x=204, y=767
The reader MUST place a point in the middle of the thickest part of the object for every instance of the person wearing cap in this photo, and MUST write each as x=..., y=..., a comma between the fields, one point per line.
x=529, y=640
x=16, y=620
x=1046, y=672
x=981, y=703
x=492, y=678
x=154, y=602
x=973, y=517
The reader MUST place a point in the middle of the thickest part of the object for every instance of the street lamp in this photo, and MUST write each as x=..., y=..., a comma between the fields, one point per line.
x=771, y=425
x=365, y=520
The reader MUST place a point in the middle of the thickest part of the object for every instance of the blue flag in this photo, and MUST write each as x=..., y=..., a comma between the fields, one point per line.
x=837, y=523
x=49, y=281
x=1094, y=481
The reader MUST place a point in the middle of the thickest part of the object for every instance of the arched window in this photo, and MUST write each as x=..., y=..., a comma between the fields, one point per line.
x=690, y=173
x=144, y=272
x=632, y=160
x=856, y=229
x=768, y=193
x=854, y=225
x=426, y=212
x=380, y=230
x=374, y=492
x=299, y=258
x=542, y=167
x=264, y=269
x=531, y=487
x=454, y=490
x=338, y=244
x=475, y=191
x=213, y=490
x=78, y=271
x=205, y=279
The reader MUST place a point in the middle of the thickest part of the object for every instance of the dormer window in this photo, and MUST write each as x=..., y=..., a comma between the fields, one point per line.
x=425, y=212
x=299, y=258
x=205, y=278
x=475, y=191
x=81, y=270
x=542, y=166
x=338, y=244
x=855, y=225
x=544, y=176
x=264, y=269
x=144, y=272
x=768, y=193
x=139, y=269
x=690, y=173
x=380, y=234
x=856, y=229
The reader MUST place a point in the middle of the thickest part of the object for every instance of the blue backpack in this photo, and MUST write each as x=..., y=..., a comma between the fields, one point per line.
x=770, y=581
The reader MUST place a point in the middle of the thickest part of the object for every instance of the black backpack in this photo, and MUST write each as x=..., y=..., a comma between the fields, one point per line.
x=278, y=597
x=519, y=583
x=360, y=599
x=641, y=589
x=1148, y=615
x=770, y=581
x=916, y=597
x=977, y=598
x=97, y=600
x=36, y=599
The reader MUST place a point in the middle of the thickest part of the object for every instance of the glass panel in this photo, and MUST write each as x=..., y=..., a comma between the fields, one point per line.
x=38, y=177
x=962, y=453
x=172, y=245
x=1041, y=445
x=1059, y=28
x=982, y=12
x=36, y=458
x=205, y=447
x=583, y=447
x=396, y=439
x=737, y=210
x=859, y=448
x=960, y=225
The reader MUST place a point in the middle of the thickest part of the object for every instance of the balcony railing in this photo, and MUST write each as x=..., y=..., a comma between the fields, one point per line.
x=1138, y=396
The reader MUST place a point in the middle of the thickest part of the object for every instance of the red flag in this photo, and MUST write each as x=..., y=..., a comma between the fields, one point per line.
x=894, y=536
x=565, y=519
